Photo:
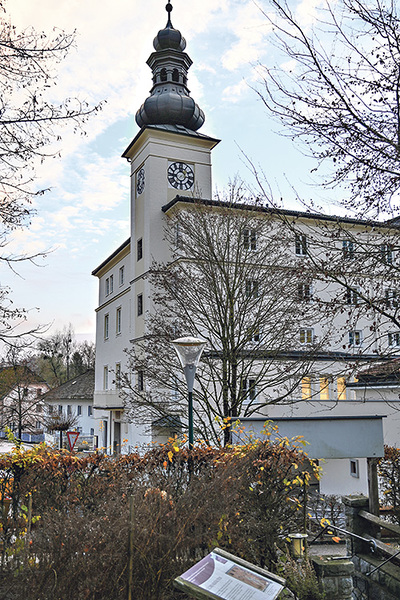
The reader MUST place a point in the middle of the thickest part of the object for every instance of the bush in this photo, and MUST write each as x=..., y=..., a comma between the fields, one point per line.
x=74, y=543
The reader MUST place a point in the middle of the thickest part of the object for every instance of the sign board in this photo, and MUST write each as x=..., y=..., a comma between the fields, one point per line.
x=327, y=437
x=72, y=437
x=222, y=576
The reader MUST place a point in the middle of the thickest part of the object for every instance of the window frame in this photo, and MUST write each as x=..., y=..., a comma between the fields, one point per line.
x=121, y=275
x=304, y=332
x=139, y=305
x=301, y=244
x=106, y=326
x=139, y=249
x=353, y=334
x=118, y=321
x=250, y=239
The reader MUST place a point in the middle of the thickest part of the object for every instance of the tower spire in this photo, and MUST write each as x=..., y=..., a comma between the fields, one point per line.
x=169, y=102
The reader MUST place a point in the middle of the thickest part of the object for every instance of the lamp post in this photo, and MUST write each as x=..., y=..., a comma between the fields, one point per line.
x=189, y=350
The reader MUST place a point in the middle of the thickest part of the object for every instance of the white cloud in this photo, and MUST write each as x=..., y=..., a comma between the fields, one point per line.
x=234, y=93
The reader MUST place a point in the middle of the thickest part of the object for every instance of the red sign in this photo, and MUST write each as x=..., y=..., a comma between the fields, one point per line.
x=72, y=437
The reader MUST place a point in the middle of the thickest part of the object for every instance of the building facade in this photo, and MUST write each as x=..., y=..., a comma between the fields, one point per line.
x=341, y=268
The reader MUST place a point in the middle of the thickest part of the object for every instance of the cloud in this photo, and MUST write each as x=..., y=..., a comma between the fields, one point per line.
x=234, y=93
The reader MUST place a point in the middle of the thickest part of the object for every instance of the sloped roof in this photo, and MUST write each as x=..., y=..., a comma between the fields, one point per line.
x=78, y=388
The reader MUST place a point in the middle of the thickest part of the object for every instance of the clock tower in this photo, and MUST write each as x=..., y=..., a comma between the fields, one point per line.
x=168, y=158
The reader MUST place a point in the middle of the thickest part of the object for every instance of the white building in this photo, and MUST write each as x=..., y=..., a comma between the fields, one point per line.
x=169, y=157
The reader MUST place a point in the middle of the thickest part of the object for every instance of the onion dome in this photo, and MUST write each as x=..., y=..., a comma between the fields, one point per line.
x=169, y=102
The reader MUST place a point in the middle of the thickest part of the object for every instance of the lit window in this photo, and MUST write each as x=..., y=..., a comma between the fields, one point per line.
x=341, y=388
x=118, y=317
x=355, y=338
x=304, y=292
x=249, y=390
x=301, y=244
x=324, y=388
x=121, y=275
x=394, y=339
x=250, y=239
x=306, y=336
x=251, y=288
x=352, y=296
x=306, y=388
x=348, y=249
x=106, y=326
x=140, y=305
x=139, y=249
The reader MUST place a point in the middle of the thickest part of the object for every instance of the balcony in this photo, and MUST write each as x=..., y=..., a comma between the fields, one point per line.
x=107, y=400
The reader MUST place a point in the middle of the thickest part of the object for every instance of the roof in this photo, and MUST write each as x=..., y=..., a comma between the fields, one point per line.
x=18, y=375
x=382, y=374
x=79, y=388
x=115, y=253
x=280, y=211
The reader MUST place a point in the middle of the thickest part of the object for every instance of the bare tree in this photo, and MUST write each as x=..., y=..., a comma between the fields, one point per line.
x=337, y=89
x=20, y=392
x=234, y=282
x=29, y=123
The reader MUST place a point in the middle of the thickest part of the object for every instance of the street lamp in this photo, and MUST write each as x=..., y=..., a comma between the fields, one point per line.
x=189, y=350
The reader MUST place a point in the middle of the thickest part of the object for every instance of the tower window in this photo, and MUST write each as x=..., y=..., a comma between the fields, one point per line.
x=175, y=75
x=163, y=75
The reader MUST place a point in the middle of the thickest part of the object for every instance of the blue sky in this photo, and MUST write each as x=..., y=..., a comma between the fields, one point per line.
x=85, y=215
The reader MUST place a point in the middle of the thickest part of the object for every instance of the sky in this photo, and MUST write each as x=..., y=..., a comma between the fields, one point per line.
x=85, y=214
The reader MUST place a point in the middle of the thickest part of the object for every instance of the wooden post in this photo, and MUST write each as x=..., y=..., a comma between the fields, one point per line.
x=373, y=493
x=131, y=539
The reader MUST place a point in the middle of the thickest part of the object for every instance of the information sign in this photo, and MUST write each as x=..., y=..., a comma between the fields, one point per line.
x=72, y=436
x=222, y=576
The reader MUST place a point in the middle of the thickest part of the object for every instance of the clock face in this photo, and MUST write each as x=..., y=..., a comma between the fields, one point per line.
x=180, y=176
x=140, y=181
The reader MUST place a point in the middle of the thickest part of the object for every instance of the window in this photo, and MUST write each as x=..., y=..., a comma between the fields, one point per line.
x=140, y=305
x=178, y=236
x=249, y=390
x=106, y=326
x=386, y=251
x=348, y=249
x=91, y=431
x=121, y=275
x=306, y=336
x=118, y=317
x=79, y=429
x=139, y=249
x=175, y=75
x=354, y=468
x=250, y=239
x=60, y=409
x=69, y=409
x=324, y=388
x=252, y=288
x=107, y=286
x=111, y=284
x=50, y=408
x=304, y=292
x=79, y=410
x=306, y=388
x=341, y=388
x=301, y=244
x=90, y=410
x=140, y=381
x=38, y=425
x=118, y=375
x=394, y=339
x=355, y=338
x=391, y=298
x=38, y=392
x=352, y=296
x=105, y=378
x=163, y=75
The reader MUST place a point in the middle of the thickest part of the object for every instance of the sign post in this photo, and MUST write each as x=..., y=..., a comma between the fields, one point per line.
x=72, y=437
